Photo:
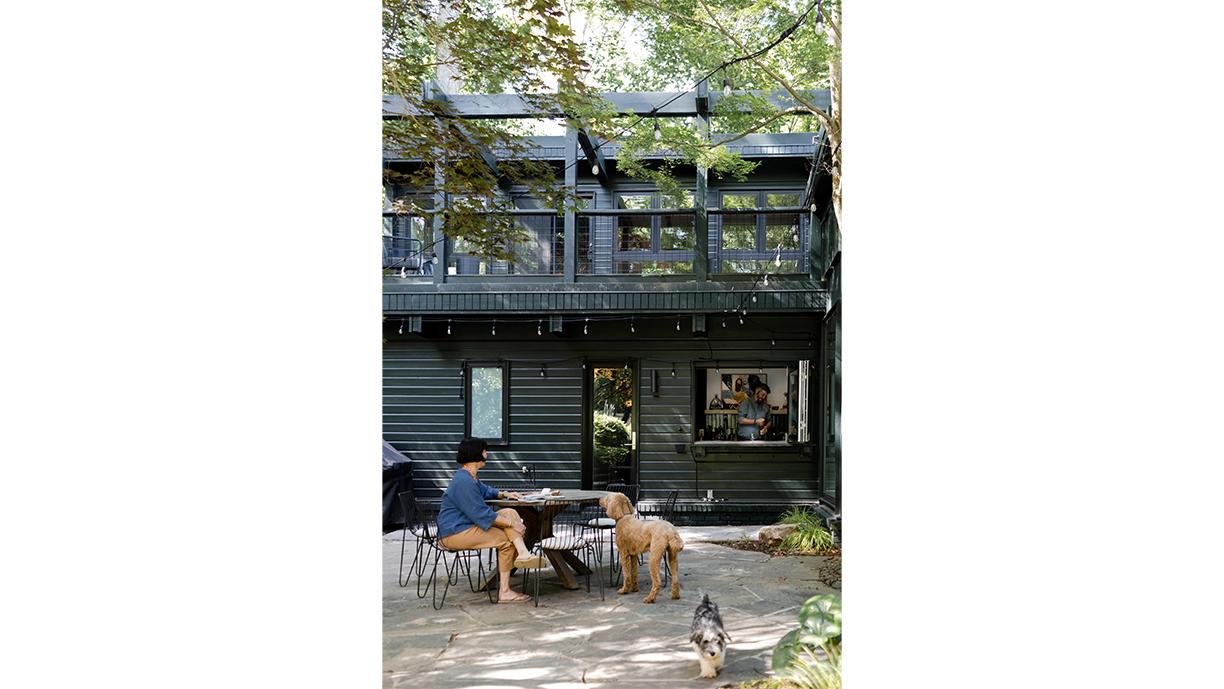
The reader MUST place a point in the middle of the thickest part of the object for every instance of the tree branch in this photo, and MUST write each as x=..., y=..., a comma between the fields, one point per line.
x=746, y=132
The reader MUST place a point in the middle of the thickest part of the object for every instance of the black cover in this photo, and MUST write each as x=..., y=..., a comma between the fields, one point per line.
x=397, y=476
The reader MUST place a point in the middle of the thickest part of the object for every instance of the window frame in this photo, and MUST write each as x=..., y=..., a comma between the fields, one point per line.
x=504, y=366
x=701, y=400
x=762, y=251
x=655, y=253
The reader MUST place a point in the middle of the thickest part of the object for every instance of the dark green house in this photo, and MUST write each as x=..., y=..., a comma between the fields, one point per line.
x=620, y=341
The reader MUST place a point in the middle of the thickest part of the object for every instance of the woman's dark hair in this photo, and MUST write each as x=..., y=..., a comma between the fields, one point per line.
x=471, y=450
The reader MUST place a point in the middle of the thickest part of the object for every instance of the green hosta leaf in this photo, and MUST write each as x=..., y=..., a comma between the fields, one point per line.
x=820, y=620
x=785, y=652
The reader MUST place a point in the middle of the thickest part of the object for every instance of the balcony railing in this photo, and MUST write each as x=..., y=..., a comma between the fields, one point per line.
x=638, y=241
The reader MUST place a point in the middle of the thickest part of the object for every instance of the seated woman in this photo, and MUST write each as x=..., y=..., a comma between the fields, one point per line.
x=466, y=522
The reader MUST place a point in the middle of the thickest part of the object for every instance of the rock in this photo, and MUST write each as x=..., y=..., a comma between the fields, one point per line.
x=773, y=535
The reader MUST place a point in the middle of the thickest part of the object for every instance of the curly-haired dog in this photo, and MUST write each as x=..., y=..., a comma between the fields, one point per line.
x=709, y=638
x=635, y=536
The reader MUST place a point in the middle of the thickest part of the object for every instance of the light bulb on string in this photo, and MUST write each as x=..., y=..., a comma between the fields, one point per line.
x=741, y=318
x=677, y=325
x=726, y=86
x=658, y=134
x=772, y=342
x=403, y=272
x=631, y=328
x=494, y=326
x=541, y=370
x=724, y=322
x=767, y=279
x=585, y=326
x=448, y=326
x=401, y=330
x=540, y=328
x=754, y=297
x=673, y=370
x=595, y=169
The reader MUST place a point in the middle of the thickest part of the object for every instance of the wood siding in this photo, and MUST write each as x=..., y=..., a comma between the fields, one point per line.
x=423, y=410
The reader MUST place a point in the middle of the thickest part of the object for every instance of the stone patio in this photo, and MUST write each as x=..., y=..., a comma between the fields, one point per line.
x=575, y=640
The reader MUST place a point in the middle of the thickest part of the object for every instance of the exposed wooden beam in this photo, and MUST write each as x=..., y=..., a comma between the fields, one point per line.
x=594, y=158
x=485, y=154
x=511, y=105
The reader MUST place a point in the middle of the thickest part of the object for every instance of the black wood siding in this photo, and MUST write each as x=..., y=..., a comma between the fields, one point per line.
x=423, y=411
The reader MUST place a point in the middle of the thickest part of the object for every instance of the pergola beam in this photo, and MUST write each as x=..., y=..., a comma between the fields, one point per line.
x=513, y=106
x=485, y=154
x=594, y=157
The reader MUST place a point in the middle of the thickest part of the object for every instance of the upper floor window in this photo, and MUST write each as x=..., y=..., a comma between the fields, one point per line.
x=654, y=243
x=752, y=239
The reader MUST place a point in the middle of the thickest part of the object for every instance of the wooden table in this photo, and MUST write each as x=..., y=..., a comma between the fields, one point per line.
x=538, y=517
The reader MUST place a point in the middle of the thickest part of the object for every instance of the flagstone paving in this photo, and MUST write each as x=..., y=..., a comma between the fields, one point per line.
x=573, y=639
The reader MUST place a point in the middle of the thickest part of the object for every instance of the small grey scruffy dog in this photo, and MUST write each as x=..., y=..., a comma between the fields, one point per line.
x=708, y=638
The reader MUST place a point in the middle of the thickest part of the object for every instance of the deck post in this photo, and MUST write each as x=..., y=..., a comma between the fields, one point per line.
x=571, y=218
x=701, y=220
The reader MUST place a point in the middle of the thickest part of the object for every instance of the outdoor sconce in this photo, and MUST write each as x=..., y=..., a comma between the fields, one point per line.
x=654, y=382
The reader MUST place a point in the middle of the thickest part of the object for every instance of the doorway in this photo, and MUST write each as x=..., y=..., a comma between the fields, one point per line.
x=610, y=444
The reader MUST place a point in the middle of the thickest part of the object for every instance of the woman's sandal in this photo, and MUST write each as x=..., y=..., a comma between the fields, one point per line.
x=532, y=562
x=515, y=598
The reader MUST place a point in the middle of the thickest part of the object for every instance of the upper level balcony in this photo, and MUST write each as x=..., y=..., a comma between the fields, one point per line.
x=621, y=230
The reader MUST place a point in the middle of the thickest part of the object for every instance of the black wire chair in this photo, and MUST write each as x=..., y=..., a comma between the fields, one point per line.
x=573, y=543
x=425, y=527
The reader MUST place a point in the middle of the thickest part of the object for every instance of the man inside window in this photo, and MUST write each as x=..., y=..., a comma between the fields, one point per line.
x=754, y=415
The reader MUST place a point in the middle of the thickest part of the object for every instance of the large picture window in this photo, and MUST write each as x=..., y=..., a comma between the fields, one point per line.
x=725, y=392
x=487, y=402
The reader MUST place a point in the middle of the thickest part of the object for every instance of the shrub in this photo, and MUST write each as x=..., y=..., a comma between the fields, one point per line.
x=811, y=534
x=611, y=438
x=810, y=656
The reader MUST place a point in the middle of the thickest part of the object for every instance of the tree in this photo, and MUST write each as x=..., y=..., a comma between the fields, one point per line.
x=798, y=47
x=529, y=46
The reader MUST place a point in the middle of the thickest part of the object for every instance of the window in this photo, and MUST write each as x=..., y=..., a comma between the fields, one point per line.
x=654, y=243
x=750, y=242
x=487, y=402
x=721, y=390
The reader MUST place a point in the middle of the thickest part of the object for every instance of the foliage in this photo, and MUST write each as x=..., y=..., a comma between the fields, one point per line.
x=530, y=47
x=519, y=46
x=613, y=392
x=811, y=534
x=810, y=656
x=611, y=435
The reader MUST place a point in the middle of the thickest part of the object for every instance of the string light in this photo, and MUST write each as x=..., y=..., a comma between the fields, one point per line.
x=767, y=279
x=494, y=326
x=595, y=169
x=403, y=272
x=724, y=322
x=631, y=328
x=541, y=370
x=673, y=370
x=658, y=134
x=726, y=86
x=772, y=341
x=401, y=331
x=540, y=328
x=448, y=326
x=741, y=318
x=585, y=326
x=626, y=365
x=754, y=297
x=677, y=325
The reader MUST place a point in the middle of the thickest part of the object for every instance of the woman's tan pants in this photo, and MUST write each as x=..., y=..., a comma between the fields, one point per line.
x=498, y=537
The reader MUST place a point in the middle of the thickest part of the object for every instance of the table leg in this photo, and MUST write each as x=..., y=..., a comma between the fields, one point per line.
x=561, y=565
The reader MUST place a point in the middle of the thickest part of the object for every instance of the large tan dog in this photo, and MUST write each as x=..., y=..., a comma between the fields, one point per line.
x=635, y=536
